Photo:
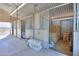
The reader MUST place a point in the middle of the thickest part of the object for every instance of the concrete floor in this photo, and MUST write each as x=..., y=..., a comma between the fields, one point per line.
x=13, y=46
x=43, y=52
x=4, y=33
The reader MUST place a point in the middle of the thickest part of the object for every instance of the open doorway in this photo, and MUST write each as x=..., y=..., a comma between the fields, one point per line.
x=61, y=29
x=5, y=29
x=27, y=28
x=66, y=36
x=61, y=34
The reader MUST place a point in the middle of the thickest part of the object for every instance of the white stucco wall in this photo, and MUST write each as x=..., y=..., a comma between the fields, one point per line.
x=76, y=33
x=19, y=28
x=28, y=33
x=76, y=44
x=37, y=21
x=40, y=32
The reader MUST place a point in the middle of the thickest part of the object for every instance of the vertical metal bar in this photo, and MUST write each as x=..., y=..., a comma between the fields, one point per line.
x=75, y=16
x=16, y=23
x=12, y=29
x=74, y=26
x=34, y=22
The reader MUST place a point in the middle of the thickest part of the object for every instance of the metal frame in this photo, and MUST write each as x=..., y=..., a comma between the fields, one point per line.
x=63, y=18
x=60, y=5
x=75, y=17
x=18, y=8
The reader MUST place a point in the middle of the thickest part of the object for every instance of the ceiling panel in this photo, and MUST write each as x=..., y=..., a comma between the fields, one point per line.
x=30, y=8
x=25, y=11
x=42, y=6
x=63, y=11
x=9, y=7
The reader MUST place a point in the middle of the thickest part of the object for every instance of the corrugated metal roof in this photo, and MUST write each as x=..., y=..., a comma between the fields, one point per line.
x=9, y=7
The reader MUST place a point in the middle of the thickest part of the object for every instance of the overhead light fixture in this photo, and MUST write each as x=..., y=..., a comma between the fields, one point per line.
x=18, y=8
